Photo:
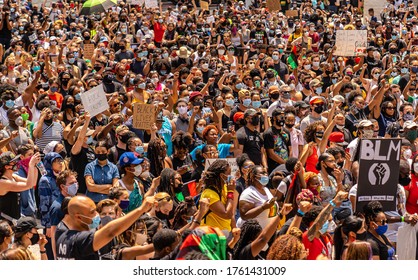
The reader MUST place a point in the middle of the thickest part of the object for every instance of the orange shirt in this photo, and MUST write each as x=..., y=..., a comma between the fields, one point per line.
x=57, y=98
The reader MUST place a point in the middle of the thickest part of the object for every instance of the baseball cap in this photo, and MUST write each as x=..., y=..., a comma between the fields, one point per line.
x=7, y=158
x=274, y=89
x=251, y=112
x=364, y=123
x=129, y=158
x=337, y=137
x=25, y=224
x=301, y=104
x=317, y=100
x=409, y=124
x=338, y=98
x=183, y=52
x=88, y=133
x=314, y=83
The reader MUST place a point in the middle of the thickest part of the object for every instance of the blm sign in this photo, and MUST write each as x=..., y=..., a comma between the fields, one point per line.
x=378, y=172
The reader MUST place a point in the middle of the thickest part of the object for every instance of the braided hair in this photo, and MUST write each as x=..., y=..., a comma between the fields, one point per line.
x=156, y=155
x=184, y=208
x=167, y=181
x=213, y=175
x=254, y=171
x=249, y=232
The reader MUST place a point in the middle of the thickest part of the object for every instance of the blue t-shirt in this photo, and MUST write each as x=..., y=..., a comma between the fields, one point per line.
x=223, y=150
x=102, y=175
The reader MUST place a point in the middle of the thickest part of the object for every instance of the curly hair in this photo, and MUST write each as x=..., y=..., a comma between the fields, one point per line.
x=249, y=232
x=208, y=128
x=309, y=134
x=213, y=175
x=200, y=159
x=371, y=210
x=156, y=155
x=181, y=140
x=286, y=247
x=254, y=171
x=158, y=65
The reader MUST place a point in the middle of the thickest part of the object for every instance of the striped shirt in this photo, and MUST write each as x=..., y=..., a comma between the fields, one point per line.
x=50, y=133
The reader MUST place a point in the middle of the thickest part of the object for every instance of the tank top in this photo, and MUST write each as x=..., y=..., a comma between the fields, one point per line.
x=10, y=203
x=312, y=160
x=236, y=41
x=182, y=124
x=166, y=132
x=225, y=120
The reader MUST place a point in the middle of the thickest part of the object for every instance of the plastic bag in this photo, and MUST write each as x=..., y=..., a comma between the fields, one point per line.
x=407, y=242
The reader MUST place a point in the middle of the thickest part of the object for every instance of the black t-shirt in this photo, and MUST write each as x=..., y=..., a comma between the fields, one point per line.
x=206, y=75
x=113, y=87
x=378, y=247
x=74, y=245
x=252, y=142
x=246, y=254
x=279, y=141
x=78, y=164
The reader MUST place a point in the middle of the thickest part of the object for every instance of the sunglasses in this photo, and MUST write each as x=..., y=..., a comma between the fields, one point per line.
x=167, y=198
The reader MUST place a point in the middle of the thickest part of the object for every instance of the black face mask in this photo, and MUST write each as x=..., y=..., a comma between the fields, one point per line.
x=161, y=215
x=48, y=122
x=319, y=109
x=274, y=96
x=329, y=170
x=270, y=75
x=404, y=181
x=340, y=164
x=64, y=82
x=280, y=123
x=71, y=106
x=124, y=138
x=63, y=154
x=97, y=68
x=290, y=125
x=198, y=103
x=87, y=37
x=361, y=236
x=101, y=157
x=122, y=47
x=392, y=51
x=255, y=121
x=34, y=239
x=319, y=135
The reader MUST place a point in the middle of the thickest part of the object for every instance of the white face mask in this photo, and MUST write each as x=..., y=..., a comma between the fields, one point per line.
x=315, y=63
x=182, y=110
x=138, y=170
x=367, y=133
x=407, y=154
x=205, y=66
x=416, y=167
x=221, y=52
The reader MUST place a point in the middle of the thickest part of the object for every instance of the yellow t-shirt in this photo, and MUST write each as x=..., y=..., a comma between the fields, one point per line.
x=212, y=219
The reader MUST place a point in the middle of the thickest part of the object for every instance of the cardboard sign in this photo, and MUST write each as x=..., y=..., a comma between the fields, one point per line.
x=144, y=115
x=292, y=13
x=378, y=179
x=204, y=5
x=273, y=5
x=151, y=4
x=351, y=42
x=232, y=162
x=88, y=51
x=94, y=100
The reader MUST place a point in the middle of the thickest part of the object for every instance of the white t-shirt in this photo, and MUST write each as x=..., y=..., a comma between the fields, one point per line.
x=252, y=195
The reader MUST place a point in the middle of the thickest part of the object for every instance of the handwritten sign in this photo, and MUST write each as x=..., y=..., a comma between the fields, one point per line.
x=210, y=19
x=88, y=51
x=137, y=2
x=231, y=161
x=292, y=13
x=351, y=42
x=151, y=4
x=144, y=115
x=273, y=5
x=94, y=100
x=204, y=5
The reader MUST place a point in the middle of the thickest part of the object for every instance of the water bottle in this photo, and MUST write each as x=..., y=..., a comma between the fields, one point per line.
x=41, y=168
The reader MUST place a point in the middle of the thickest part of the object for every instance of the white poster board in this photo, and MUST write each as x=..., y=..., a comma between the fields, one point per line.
x=232, y=162
x=138, y=2
x=151, y=4
x=94, y=100
x=351, y=42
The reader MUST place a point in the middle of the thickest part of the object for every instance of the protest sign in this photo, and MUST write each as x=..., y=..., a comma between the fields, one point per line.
x=138, y=2
x=144, y=115
x=378, y=179
x=204, y=5
x=88, y=50
x=151, y=4
x=273, y=5
x=232, y=163
x=292, y=13
x=94, y=100
x=351, y=42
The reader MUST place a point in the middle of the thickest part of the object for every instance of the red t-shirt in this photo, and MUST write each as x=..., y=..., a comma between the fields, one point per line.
x=317, y=246
x=412, y=201
x=159, y=30
x=57, y=98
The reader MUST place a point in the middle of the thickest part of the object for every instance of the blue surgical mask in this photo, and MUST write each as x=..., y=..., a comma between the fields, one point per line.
x=77, y=97
x=163, y=72
x=334, y=81
x=394, y=37
x=404, y=70
x=10, y=103
x=275, y=57
x=324, y=228
x=124, y=204
x=140, y=150
x=95, y=222
x=414, y=69
x=230, y=102
x=89, y=140
x=36, y=68
x=54, y=89
x=72, y=189
x=246, y=102
x=264, y=180
x=132, y=81
x=318, y=90
x=200, y=129
x=71, y=60
x=381, y=229
x=165, y=55
x=142, y=86
x=239, y=86
x=256, y=104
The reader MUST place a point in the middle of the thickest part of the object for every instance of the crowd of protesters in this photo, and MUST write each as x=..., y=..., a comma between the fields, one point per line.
x=258, y=93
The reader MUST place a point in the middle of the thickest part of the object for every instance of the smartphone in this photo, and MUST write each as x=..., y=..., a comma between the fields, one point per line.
x=230, y=126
